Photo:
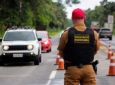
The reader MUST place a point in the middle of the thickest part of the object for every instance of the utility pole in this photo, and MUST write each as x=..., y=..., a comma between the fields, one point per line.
x=20, y=5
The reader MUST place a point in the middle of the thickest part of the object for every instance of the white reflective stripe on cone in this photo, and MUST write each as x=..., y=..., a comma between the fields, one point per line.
x=110, y=51
x=113, y=57
x=58, y=56
x=112, y=64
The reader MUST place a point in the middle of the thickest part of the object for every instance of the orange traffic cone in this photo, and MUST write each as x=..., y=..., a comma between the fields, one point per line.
x=57, y=60
x=61, y=64
x=110, y=47
x=110, y=54
x=112, y=67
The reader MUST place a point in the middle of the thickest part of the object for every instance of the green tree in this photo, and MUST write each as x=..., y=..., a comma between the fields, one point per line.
x=100, y=13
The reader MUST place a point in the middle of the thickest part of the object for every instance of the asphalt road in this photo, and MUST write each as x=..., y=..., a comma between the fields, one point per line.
x=46, y=73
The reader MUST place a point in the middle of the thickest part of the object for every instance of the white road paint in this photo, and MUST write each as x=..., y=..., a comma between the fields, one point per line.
x=52, y=76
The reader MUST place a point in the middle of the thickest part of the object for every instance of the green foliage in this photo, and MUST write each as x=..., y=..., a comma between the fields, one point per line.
x=100, y=13
x=54, y=31
x=31, y=13
x=68, y=23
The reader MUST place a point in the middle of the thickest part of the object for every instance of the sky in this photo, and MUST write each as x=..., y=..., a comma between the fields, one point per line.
x=84, y=4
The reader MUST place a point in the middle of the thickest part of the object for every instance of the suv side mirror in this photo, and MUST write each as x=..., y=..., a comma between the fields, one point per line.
x=0, y=39
x=39, y=39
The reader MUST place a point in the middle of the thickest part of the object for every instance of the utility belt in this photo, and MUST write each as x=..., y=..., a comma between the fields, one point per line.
x=77, y=65
x=94, y=64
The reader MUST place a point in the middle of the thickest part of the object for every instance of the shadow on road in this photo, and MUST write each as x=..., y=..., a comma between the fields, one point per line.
x=17, y=64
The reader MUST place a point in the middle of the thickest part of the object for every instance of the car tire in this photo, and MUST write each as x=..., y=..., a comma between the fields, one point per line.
x=49, y=50
x=40, y=58
x=110, y=38
x=36, y=60
x=2, y=63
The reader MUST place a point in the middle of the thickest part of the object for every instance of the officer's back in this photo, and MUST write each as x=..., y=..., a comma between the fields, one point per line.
x=78, y=46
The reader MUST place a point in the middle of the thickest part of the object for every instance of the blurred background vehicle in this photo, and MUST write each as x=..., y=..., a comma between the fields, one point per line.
x=97, y=30
x=20, y=44
x=46, y=43
x=105, y=33
x=0, y=40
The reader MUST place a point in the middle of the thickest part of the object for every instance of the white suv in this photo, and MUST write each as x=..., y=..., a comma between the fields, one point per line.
x=20, y=44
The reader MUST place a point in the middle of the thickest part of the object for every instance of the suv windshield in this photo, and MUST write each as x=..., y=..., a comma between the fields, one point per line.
x=19, y=36
x=105, y=30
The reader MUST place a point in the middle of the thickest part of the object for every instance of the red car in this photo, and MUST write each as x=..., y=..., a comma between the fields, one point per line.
x=45, y=41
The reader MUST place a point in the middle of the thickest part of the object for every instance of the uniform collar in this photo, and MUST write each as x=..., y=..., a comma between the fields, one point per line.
x=80, y=26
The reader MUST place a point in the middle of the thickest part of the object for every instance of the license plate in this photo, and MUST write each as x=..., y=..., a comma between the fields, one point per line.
x=17, y=55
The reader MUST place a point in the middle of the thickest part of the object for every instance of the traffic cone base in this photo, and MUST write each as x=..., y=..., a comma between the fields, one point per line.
x=112, y=71
x=112, y=67
x=61, y=64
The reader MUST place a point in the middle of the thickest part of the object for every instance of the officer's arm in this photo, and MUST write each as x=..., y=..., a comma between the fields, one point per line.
x=97, y=40
x=62, y=43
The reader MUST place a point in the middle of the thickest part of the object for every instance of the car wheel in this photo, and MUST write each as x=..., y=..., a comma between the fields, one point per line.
x=36, y=60
x=40, y=58
x=1, y=62
x=110, y=38
x=49, y=50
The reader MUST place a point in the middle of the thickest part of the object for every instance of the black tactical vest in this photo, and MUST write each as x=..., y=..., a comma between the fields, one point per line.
x=80, y=47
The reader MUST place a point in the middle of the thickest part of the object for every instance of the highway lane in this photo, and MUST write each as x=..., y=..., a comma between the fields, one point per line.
x=46, y=73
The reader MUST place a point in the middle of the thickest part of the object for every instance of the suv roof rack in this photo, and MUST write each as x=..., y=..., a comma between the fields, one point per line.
x=19, y=27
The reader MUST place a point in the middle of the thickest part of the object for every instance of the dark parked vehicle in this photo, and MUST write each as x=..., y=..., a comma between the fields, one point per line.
x=105, y=33
x=0, y=39
x=97, y=30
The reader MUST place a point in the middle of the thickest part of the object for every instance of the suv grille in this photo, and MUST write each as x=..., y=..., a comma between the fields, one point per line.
x=18, y=47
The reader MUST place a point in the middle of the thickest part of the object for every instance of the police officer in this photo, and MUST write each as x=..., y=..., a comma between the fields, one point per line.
x=77, y=46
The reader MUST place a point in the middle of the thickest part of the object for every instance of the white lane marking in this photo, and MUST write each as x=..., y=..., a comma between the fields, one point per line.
x=52, y=76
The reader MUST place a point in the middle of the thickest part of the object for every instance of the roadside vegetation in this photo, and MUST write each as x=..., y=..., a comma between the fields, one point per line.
x=48, y=15
x=40, y=14
x=100, y=13
x=53, y=32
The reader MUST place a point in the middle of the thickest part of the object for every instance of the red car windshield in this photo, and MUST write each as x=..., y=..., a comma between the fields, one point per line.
x=42, y=35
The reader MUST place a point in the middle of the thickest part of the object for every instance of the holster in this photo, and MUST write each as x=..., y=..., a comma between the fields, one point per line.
x=66, y=65
x=94, y=64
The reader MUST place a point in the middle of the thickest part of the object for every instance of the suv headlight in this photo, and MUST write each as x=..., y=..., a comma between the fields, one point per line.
x=5, y=47
x=30, y=47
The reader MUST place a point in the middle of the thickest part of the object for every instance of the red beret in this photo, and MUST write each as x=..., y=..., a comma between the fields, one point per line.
x=78, y=14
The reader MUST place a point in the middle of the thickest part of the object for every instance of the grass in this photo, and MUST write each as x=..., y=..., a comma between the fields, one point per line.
x=1, y=33
x=53, y=32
